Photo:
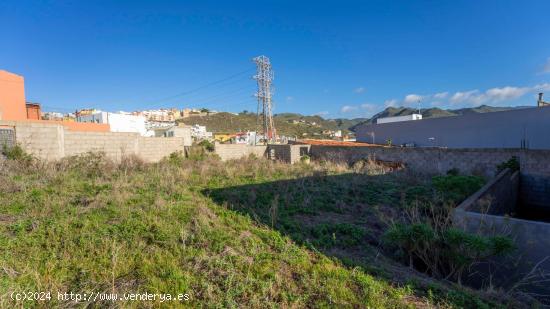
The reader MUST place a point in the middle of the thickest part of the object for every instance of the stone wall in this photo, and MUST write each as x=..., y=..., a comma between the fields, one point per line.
x=237, y=151
x=54, y=141
x=534, y=164
x=287, y=153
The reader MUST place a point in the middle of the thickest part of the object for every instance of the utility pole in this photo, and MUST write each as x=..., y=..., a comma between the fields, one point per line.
x=264, y=77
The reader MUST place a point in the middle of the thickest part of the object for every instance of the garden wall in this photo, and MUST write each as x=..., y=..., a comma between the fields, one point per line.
x=283, y=152
x=53, y=141
x=534, y=164
x=237, y=151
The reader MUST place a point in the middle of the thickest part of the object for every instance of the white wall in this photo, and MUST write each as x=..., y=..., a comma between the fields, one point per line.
x=127, y=123
x=118, y=122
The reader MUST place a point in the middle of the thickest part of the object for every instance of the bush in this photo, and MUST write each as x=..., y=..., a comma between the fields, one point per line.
x=16, y=153
x=176, y=158
x=512, y=164
x=457, y=188
x=430, y=242
x=209, y=146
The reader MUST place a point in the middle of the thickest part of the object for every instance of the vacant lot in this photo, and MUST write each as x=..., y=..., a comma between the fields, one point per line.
x=249, y=233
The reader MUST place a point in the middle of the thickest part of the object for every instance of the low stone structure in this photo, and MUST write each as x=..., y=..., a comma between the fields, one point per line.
x=52, y=141
x=283, y=152
x=534, y=164
x=237, y=151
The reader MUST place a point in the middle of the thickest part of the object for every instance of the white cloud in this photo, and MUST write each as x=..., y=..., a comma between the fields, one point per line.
x=322, y=113
x=460, y=97
x=289, y=99
x=390, y=103
x=412, y=98
x=473, y=97
x=359, y=90
x=505, y=93
x=541, y=87
x=546, y=68
x=348, y=108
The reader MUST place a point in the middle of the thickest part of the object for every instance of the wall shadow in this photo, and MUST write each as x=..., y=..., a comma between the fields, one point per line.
x=342, y=216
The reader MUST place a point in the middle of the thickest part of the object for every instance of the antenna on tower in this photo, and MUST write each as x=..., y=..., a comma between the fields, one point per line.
x=264, y=77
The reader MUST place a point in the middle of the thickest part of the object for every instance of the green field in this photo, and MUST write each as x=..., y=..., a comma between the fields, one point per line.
x=250, y=233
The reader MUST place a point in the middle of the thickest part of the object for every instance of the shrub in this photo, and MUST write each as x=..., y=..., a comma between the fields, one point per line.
x=512, y=164
x=209, y=146
x=176, y=158
x=431, y=243
x=305, y=159
x=456, y=188
x=16, y=153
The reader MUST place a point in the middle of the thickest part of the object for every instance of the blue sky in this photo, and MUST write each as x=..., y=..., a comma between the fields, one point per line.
x=333, y=58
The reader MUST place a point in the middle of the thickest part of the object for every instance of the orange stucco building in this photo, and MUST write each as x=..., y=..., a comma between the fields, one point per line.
x=13, y=106
x=12, y=96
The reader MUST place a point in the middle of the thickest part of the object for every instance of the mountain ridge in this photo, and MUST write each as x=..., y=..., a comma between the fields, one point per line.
x=295, y=124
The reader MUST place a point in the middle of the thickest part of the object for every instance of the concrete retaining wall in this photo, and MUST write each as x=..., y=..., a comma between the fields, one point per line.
x=237, y=151
x=286, y=152
x=498, y=197
x=534, y=164
x=53, y=141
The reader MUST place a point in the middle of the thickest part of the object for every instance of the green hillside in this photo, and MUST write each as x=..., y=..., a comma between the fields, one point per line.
x=292, y=124
x=288, y=124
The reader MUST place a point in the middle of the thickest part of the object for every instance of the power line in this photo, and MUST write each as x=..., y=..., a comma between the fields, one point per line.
x=201, y=87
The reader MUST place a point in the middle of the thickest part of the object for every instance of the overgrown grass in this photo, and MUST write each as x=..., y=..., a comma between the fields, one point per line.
x=86, y=224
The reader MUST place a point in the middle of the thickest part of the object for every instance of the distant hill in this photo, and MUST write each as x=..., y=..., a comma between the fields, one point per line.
x=288, y=124
x=292, y=124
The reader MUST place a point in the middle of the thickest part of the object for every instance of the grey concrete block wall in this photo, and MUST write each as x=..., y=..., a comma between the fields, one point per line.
x=534, y=164
x=7, y=137
x=237, y=151
x=52, y=142
x=288, y=153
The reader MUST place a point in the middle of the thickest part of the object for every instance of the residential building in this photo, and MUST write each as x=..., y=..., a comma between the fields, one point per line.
x=199, y=132
x=33, y=111
x=223, y=136
x=160, y=115
x=53, y=116
x=180, y=130
x=12, y=96
x=118, y=122
x=13, y=106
